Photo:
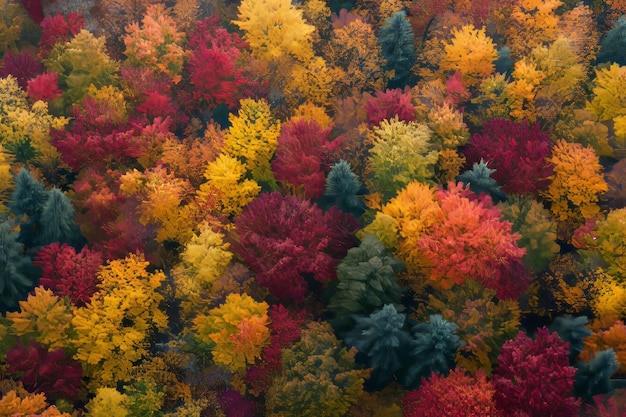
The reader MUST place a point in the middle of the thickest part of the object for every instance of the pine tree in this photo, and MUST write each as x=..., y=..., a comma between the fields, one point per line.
x=27, y=203
x=342, y=190
x=367, y=281
x=396, y=40
x=57, y=221
x=14, y=282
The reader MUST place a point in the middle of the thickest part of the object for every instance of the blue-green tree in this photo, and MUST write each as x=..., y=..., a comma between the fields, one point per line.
x=432, y=349
x=342, y=190
x=397, y=42
x=57, y=222
x=366, y=281
x=27, y=203
x=15, y=280
x=382, y=342
x=480, y=181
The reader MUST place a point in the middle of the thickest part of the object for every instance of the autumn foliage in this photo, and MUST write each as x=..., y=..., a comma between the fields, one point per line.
x=286, y=238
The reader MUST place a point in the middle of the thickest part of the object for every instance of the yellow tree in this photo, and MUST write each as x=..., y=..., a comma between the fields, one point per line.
x=354, y=51
x=113, y=330
x=471, y=52
x=237, y=331
x=532, y=23
x=274, y=28
x=253, y=137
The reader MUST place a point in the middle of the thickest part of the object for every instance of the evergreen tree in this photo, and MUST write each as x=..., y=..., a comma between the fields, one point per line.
x=433, y=349
x=57, y=222
x=27, y=203
x=342, y=190
x=480, y=181
x=613, y=44
x=366, y=282
x=594, y=378
x=396, y=40
x=382, y=343
x=14, y=280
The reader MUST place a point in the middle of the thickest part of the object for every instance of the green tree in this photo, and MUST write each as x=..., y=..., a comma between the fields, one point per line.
x=57, y=221
x=319, y=377
x=14, y=282
x=366, y=281
x=396, y=40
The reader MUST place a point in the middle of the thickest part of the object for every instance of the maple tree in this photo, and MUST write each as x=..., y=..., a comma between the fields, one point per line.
x=236, y=331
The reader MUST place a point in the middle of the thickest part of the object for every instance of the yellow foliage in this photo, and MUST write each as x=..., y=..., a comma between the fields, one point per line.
x=108, y=402
x=163, y=198
x=204, y=259
x=449, y=165
x=449, y=129
x=11, y=25
x=237, y=331
x=227, y=185
x=577, y=182
x=6, y=178
x=311, y=112
x=112, y=99
x=23, y=125
x=471, y=52
x=580, y=28
x=354, y=52
x=533, y=23
x=384, y=228
x=317, y=13
x=113, y=330
x=609, y=99
x=414, y=210
x=610, y=297
x=275, y=28
x=44, y=317
x=522, y=91
x=253, y=138
x=312, y=82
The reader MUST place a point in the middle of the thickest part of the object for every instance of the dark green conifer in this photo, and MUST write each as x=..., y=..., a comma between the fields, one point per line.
x=14, y=280
x=397, y=42
x=57, y=221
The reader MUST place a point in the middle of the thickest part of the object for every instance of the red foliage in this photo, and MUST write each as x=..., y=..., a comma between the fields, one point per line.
x=106, y=217
x=215, y=69
x=97, y=201
x=457, y=92
x=516, y=151
x=44, y=87
x=473, y=242
x=142, y=80
x=386, y=105
x=455, y=395
x=607, y=406
x=286, y=327
x=157, y=105
x=59, y=28
x=233, y=404
x=534, y=378
x=304, y=156
x=34, y=9
x=68, y=273
x=23, y=66
x=286, y=238
x=51, y=372
x=108, y=144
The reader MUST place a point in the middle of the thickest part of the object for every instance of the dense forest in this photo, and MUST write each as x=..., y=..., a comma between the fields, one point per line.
x=369, y=208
